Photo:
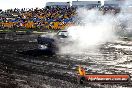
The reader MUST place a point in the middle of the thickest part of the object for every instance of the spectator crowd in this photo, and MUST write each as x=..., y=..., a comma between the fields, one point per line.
x=45, y=18
x=42, y=19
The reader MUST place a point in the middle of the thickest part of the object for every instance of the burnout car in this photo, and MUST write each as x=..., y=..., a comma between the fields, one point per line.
x=52, y=41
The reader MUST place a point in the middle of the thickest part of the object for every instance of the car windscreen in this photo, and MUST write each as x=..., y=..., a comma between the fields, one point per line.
x=63, y=33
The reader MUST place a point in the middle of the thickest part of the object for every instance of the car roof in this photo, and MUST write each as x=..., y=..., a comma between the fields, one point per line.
x=63, y=31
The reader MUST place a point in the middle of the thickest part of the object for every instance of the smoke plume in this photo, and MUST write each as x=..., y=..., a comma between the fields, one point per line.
x=93, y=28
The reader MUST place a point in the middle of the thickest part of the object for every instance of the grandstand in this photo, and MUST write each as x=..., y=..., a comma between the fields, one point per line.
x=56, y=15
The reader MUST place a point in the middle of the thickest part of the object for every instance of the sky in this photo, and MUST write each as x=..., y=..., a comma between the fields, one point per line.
x=8, y=4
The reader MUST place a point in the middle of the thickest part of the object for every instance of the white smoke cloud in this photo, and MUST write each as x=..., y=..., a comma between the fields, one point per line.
x=125, y=16
x=94, y=28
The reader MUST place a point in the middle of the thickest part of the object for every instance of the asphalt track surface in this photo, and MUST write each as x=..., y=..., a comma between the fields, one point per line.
x=22, y=65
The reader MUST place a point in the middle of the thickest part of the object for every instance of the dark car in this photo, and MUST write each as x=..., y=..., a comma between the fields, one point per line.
x=52, y=42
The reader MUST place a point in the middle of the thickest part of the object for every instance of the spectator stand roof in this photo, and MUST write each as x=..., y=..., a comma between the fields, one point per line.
x=58, y=4
x=86, y=3
x=113, y=3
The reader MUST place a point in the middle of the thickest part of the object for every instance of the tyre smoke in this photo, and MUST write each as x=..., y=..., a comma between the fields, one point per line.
x=93, y=28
